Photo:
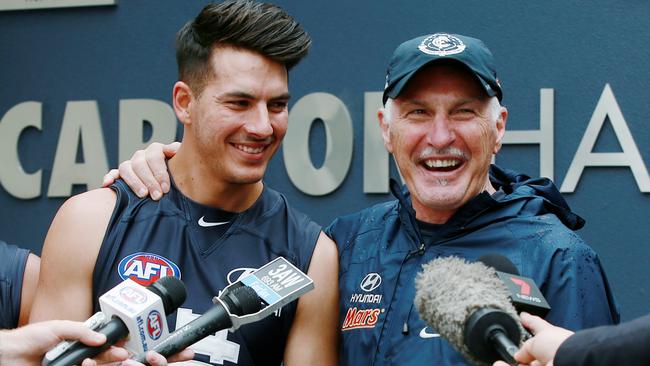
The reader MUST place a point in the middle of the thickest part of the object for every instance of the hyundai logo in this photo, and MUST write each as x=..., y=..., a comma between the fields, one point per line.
x=370, y=282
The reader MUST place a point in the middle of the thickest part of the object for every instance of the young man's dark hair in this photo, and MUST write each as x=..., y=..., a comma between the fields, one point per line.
x=264, y=28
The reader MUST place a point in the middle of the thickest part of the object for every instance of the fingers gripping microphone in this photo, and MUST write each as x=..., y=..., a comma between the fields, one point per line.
x=469, y=306
x=134, y=311
x=523, y=292
x=251, y=299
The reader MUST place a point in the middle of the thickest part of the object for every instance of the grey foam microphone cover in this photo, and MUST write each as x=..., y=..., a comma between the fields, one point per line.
x=449, y=290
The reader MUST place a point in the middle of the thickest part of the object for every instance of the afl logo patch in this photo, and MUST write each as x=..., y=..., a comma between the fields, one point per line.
x=147, y=268
x=154, y=325
x=370, y=282
x=442, y=44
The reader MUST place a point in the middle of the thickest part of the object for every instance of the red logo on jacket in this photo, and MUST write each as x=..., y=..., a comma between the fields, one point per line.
x=361, y=318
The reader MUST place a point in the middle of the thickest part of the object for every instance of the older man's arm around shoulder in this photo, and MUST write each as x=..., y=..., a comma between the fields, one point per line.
x=69, y=255
x=313, y=338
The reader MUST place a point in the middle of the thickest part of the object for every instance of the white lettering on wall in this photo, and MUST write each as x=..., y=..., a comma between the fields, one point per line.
x=630, y=157
x=13, y=177
x=81, y=130
x=338, y=153
x=80, y=125
x=133, y=115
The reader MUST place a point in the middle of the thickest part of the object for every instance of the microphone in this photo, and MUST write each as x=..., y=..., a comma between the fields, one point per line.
x=523, y=292
x=250, y=299
x=133, y=310
x=240, y=301
x=469, y=306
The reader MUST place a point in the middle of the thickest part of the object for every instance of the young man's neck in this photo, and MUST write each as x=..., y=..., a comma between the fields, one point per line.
x=198, y=184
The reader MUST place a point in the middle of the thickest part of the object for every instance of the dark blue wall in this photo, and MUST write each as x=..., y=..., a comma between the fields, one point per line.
x=112, y=53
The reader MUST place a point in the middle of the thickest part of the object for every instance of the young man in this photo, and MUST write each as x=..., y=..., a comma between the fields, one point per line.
x=219, y=220
x=443, y=121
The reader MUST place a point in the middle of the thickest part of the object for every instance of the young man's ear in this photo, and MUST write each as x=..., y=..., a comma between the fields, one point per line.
x=182, y=100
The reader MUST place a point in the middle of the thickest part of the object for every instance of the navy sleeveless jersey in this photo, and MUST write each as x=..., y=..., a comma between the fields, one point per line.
x=146, y=239
x=12, y=270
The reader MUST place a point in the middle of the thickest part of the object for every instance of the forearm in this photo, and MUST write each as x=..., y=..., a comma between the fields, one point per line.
x=626, y=344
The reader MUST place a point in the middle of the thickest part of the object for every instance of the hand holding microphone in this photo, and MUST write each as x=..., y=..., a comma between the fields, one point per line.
x=134, y=311
x=26, y=345
x=543, y=346
x=469, y=306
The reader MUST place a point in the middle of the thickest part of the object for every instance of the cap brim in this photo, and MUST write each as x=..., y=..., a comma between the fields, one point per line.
x=394, y=90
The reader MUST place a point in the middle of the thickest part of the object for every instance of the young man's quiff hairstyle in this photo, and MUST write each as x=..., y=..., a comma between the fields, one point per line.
x=260, y=27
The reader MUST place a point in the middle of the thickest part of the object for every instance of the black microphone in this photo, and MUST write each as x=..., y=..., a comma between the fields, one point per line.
x=469, y=306
x=134, y=310
x=523, y=292
x=239, y=301
x=248, y=300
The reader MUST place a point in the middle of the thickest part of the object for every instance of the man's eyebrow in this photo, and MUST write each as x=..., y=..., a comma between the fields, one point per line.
x=238, y=94
x=283, y=96
x=414, y=102
x=462, y=101
x=244, y=95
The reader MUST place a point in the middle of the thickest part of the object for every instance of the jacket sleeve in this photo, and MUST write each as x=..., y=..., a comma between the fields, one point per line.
x=624, y=344
x=577, y=288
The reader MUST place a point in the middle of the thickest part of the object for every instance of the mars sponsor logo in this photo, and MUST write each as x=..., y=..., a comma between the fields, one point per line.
x=361, y=318
x=366, y=298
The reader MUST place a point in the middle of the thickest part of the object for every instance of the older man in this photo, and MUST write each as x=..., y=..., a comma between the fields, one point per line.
x=443, y=121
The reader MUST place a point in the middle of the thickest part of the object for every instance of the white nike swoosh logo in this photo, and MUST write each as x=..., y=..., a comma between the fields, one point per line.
x=425, y=334
x=203, y=223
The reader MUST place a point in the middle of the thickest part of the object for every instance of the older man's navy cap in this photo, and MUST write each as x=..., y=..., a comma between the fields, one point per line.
x=418, y=52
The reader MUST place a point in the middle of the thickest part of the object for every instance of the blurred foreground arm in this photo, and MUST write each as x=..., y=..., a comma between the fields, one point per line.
x=624, y=344
x=27, y=345
x=146, y=171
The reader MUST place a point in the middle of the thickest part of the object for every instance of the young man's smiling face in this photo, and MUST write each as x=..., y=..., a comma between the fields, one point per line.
x=240, y=117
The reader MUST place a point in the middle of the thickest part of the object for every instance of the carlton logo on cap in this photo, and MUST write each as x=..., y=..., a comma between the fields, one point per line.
x=442, y=44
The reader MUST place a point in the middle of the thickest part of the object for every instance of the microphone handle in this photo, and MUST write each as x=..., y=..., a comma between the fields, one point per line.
x=215, y=319
x=114, y=330
x=504, y=346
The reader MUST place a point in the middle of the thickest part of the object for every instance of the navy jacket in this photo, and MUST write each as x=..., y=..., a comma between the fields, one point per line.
x=381, y=251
